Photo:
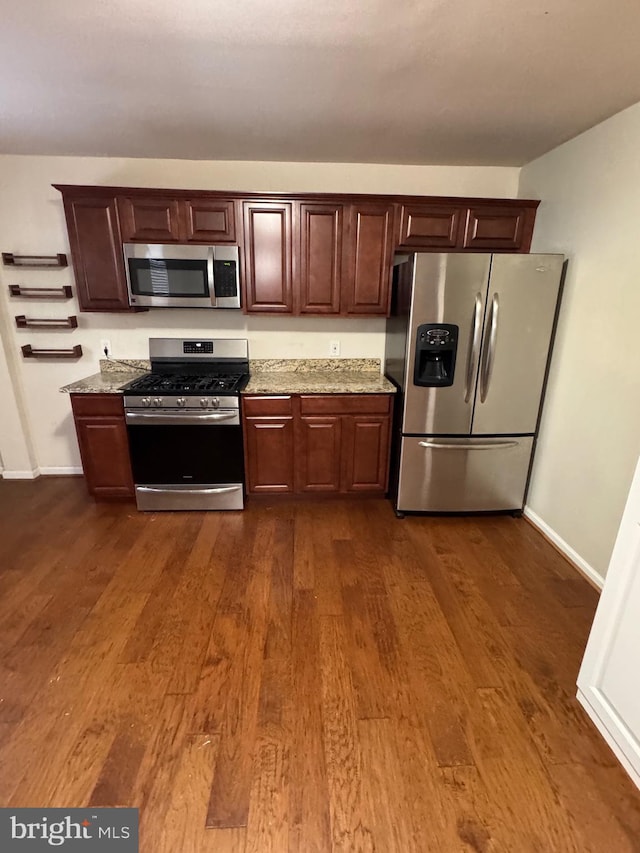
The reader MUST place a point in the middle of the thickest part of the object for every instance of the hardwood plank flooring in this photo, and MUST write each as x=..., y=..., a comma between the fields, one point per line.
x=302, y=677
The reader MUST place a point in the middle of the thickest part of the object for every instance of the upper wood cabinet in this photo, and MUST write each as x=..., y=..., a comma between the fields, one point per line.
x=320, y=258
x=209, y=220
x=150, y=220
x=369, y=258
x=268, y=256
x=158, y=219
x=430, y=226
x=313, y=255
x=485, y=226
x=498, y=229
x=96, y=252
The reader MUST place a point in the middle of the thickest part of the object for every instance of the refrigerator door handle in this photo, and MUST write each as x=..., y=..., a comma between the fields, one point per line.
x=490, y=349
x=474, y=350
x=476, y=445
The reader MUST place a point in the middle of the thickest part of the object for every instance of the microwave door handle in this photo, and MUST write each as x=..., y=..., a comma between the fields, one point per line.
x=210, y=276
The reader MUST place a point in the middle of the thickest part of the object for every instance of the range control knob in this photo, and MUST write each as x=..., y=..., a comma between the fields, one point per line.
x=157, y=401
x=204, y=402
x=215, y=402
x=146, y=401
x=182, y=402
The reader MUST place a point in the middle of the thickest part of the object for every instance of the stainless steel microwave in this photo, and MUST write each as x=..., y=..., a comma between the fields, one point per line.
x=179, y=276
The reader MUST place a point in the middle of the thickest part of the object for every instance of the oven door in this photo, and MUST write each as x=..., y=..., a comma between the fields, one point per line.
x=169, y=276
x=186, y=462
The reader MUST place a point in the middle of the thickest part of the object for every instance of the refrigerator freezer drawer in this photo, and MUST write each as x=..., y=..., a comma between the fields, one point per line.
x=463, y=474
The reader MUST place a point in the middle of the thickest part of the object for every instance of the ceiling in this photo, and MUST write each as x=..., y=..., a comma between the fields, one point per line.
x=473, y=82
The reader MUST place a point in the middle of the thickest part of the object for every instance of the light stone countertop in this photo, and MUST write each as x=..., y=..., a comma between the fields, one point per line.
x=319, y=382
x=110, y=382
x=268, y=376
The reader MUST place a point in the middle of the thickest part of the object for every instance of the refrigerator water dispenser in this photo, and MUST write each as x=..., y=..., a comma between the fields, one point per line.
x=436, y=348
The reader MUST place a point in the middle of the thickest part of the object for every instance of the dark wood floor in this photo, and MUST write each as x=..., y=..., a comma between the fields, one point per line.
x=300, y=677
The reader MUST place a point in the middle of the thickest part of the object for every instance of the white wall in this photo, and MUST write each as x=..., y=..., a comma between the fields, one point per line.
x=32, y=222
x=590, y=432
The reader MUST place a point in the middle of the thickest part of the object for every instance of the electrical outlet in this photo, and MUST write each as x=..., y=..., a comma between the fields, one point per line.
x=105, y=348
x=334, y=348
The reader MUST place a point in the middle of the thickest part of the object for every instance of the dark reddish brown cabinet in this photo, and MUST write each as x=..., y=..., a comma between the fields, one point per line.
x=150, y=220
x=209, y=221
x=268, y=249
x=268, y=444
x=104, y=447
x=494, y=228
x=317, y=443
x=96, y=252
x=368, y=258
x=320, y=257
x=430, y=226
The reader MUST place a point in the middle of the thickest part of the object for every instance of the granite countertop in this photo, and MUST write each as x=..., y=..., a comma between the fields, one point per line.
x=109, y=382
x=268, y=376
x=318, y=376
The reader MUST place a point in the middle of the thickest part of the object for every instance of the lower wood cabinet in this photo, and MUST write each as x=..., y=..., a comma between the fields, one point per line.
x=334, y=443
x=104, y=447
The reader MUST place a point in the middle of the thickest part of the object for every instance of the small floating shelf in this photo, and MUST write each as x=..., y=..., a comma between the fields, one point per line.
x=64, y=292
x=44, y=262
x=23, y=322
x=29, y=352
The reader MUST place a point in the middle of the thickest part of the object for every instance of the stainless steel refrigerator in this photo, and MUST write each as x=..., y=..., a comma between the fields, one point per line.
x=468, y=346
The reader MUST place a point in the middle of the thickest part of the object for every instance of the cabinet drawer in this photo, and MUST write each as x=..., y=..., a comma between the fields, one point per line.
x=345, y=404
x=267, y=406
x=97, y=404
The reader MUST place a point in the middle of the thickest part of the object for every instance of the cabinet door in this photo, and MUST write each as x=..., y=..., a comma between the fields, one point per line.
x=365, y=459
x=320, y=261
x=318, y=454
x=269, y=454
x=369, y=259
x=150, y=220
x=96, y=252
x=425, y=226
x=499, y=229
x=210, y=221
x=267, y=252
x=104, y=447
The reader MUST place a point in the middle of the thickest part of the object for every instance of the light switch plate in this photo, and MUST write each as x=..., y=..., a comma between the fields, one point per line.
x=334, y=348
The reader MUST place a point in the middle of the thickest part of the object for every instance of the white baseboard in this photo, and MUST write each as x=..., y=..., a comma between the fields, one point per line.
x=65, y=471
x=579, y=562
x=21, y=475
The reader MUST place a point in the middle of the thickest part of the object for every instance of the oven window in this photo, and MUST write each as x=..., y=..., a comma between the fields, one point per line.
x=165, y=277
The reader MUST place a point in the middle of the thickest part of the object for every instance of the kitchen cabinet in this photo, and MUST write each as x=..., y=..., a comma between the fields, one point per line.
x=320, y=257
x=150, y=220
x=96, y=252
x=485, y=226
x=430, y=226
x=369, y=259
x=319, y=444
x=104, y=447
x=303, y=254
x=268, y=276
x=268, y=441
x=492, y=228
x=158, y=219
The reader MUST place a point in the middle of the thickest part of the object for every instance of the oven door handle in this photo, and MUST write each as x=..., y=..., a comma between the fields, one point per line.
x=179, y=417
x=220, y=490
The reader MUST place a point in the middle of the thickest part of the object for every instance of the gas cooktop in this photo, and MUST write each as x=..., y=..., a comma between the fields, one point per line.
x=159, y=383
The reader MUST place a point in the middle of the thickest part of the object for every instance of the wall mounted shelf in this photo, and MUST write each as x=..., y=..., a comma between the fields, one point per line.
x=23, y=322
x=45, y=262
x=41, y=292
x=29, y=352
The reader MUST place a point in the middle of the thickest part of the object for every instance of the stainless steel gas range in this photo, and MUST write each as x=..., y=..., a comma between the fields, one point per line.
x=183, y=422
